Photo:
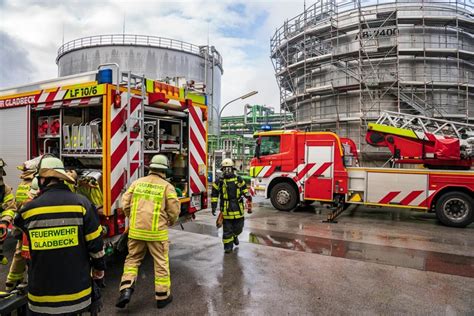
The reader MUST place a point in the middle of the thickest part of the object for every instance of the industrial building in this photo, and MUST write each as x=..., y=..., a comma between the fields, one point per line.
x=235, y=139
x=154, y=57
x=339, y=64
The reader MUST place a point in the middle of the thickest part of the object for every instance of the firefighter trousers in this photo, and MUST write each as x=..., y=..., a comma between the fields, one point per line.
x=137, y=250
x=17, y=268
x=232, y=228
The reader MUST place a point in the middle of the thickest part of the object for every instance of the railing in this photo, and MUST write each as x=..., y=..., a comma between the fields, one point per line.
x=138, y=40
x=326, y=10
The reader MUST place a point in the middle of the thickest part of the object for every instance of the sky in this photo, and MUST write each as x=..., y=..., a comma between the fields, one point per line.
x=32, y=31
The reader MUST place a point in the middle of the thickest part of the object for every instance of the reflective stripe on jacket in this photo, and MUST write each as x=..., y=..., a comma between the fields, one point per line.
x=231, y=192
x=22, y=191
x=152, y=205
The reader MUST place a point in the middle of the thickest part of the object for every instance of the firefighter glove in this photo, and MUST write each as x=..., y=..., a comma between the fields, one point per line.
x=98, y=277
x=3, y=230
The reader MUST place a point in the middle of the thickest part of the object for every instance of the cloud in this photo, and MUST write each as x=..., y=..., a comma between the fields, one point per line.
x=240, y=30
x=15, y=64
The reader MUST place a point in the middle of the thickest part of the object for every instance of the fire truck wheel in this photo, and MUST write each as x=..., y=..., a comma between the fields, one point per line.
x=455, y=209
x=284, y=197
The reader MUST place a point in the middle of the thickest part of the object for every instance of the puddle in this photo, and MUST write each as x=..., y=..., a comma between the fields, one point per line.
x=389, y=255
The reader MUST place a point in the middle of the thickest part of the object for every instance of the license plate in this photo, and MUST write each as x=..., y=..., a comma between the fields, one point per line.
x=196, y=202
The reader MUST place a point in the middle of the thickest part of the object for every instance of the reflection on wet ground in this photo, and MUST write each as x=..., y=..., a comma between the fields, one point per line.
x=433, y=261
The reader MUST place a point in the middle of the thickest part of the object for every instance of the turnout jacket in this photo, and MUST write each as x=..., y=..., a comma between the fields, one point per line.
x=64, y=241
x=22, y=193
x=231, y=190
x=151, y=203
x=7, y=204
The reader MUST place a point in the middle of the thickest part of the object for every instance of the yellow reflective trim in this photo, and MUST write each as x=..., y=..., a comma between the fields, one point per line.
x=139, y=234
x=8, y=198
x=133, y=213
x=156, y=215
x=172, y=196
x=60, y=298
x=163, y=281
x=53, y=210
x=15, y=276
x=130, y=270
x=22, y=193
x=54, y=238
x=8, y=213
x=214, y=199
x=228, y=240
x=25, y=248
x=149, y=189
x=95, y=234
x=392, y=130
x=215, y=186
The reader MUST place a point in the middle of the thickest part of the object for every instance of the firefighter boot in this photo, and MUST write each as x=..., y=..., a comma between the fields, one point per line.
x=163, y=303
x=124, y=299
x=236, y=240
x=228, y=247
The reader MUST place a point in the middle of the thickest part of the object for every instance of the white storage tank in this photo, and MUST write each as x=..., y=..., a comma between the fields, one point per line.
x=155, y=57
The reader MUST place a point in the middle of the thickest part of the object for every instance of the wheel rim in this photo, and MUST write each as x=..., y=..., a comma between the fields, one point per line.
x=283, y=197
x=456, y=209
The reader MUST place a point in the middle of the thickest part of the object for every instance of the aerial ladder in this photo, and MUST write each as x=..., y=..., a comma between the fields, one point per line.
x=416, y=139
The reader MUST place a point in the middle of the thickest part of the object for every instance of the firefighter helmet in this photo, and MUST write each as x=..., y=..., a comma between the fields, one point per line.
x=159, y=162
x=30, y=165
x=72, y=174
x=227, y=163
x=52, y=167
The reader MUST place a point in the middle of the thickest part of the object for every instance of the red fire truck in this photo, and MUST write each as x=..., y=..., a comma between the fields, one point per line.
x=107, y=129
x=292, y=167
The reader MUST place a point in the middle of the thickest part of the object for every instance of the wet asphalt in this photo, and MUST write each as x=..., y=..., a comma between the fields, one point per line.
x=372, y=261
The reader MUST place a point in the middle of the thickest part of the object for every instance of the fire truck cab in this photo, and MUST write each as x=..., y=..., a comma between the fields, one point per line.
x=293, y=167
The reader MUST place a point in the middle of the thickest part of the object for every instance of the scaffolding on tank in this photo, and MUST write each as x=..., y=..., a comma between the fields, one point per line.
x=340, y=64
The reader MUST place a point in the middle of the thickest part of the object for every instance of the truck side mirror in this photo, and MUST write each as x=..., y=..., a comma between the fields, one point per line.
x=257, y=148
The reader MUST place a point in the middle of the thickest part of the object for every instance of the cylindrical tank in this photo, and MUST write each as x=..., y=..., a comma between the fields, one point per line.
x=339, y=64
x=155, y=57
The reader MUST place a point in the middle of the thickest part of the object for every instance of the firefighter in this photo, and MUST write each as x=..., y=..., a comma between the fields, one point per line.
x=32, y=194
x=17, y=269
x=7, y=208
x=231, y=189
x=65, y=244
x=151, y=204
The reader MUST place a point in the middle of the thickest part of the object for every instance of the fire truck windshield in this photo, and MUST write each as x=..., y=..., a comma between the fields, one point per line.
x=268, y=145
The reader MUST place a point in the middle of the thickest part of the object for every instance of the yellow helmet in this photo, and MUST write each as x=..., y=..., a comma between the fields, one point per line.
x=227, y=163
x=52, y=167
x=159, y=162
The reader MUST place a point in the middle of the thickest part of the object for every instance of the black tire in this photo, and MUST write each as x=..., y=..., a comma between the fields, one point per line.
x=455, y=209
x=284, y=197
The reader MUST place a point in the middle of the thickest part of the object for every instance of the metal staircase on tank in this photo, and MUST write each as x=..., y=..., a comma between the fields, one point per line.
x=135, y=121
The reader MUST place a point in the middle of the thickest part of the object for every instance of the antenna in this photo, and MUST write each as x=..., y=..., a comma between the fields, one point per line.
x=123, y=28
x=63, y=33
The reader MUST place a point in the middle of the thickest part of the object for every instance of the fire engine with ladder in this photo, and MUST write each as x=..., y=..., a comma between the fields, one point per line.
x=106, y=125
x=292, y=167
